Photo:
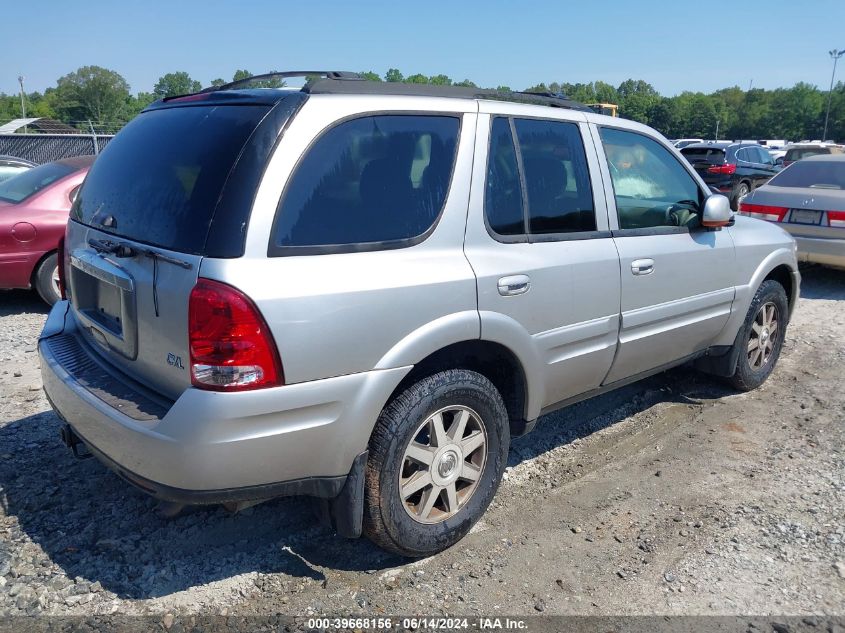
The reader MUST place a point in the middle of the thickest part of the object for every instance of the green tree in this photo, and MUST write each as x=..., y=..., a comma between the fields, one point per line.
x=466, y=83
x=177, y=83
x=369, y=75
x=416, y=79
x=91, y=93
x=393, y=75
x=218, y=82
x=440, y=80
x=241, y=74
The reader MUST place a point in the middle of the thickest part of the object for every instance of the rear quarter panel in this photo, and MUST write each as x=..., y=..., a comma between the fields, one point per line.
x=342, y=313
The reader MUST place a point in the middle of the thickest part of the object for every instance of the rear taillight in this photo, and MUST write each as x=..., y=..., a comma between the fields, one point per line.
x=836, y=218
x=727, y=168
x=60, y=263
x=763, y=211
x=231, y=346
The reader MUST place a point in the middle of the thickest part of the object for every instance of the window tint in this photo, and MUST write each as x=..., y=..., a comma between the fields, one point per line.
x=503, y=194
x=819, y=174
x=160, y=178
x=369, y=180
x=30, y=182
x=704, y=154
x=651, y=187
x=765, y=156
x=560, y=199
x=746, y=155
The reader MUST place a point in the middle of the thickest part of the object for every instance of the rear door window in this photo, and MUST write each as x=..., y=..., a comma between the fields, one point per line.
x=503, y=196
x=368, y=183
x=557, y=181
x=159, y=180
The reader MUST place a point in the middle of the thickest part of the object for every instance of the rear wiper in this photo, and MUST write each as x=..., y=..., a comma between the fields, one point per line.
x=117, y=249
x=156, y=256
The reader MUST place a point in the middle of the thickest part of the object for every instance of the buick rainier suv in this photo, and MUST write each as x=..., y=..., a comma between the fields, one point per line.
x=360, y=292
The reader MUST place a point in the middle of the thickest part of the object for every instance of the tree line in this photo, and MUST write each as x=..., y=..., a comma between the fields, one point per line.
x=93, y=96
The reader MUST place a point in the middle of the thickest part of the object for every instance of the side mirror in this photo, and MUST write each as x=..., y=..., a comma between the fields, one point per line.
x=717, y=211
x=779, y=161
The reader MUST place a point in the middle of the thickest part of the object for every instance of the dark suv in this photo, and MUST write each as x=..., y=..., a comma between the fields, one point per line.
x=734, y=169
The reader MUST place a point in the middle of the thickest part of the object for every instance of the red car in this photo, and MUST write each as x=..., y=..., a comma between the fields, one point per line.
x=34, y=207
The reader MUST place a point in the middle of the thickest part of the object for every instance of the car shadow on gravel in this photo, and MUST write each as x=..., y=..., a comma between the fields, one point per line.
x=21, y=302
x=819, y=282
x=95, y=526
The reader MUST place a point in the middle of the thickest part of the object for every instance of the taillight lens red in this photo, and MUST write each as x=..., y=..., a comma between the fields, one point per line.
x=836, y=218
x=727, y=168
x=231, y=346
x=60, y=262
x=763, y=211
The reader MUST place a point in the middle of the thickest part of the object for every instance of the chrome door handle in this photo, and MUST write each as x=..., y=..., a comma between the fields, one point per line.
x=642, y=266
x=514, y=285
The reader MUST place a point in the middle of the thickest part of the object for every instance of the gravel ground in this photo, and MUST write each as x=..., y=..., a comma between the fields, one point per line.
x=671, y=496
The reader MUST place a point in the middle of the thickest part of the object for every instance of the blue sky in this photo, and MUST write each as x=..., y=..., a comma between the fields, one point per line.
x=675, y=46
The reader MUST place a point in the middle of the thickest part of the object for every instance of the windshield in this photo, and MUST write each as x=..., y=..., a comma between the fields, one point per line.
x=819, y=174
x=28, y=183
x=159, y=180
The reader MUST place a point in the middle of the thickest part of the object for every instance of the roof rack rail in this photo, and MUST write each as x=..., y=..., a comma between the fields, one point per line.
x=344, y=82
x=328, y=74
x=330, y=85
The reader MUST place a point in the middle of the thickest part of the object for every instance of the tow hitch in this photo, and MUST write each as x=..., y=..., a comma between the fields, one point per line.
x=73, y=442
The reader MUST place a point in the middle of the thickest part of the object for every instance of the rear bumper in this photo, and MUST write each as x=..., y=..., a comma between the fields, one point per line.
x=830, y=252
x=210, y=447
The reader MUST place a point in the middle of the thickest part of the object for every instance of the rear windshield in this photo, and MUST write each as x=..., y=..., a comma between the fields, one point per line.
x=803, y=152
x=158, y=181
x=27, y=183
x=824, y=174
x=704, y=154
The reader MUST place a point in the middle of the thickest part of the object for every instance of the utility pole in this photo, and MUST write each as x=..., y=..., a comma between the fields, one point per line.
x=23, y=100
x=717, y=129
x=835, y=54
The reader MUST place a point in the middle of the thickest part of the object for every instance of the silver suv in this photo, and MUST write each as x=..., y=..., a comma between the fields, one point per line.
x=361, y=291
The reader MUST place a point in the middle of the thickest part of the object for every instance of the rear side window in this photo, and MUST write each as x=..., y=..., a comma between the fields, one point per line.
x=30, y=182
x=819, y=174
x=560, y=199
x=377, y=180
x=159, y=180
x=747, y=155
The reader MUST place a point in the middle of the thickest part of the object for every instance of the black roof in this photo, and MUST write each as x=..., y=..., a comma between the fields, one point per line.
x=339, y=82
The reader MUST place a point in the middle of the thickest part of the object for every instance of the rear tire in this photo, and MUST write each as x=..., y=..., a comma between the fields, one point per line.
x=423, y=441
x=760, y=339
x=46, y=279
x=742, y=190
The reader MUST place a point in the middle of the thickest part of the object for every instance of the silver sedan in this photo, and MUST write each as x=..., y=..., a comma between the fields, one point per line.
x=808, y=200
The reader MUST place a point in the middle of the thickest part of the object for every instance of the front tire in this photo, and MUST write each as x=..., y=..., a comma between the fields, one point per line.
x=760, y=339
x=436, y=458
x=47, y=279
